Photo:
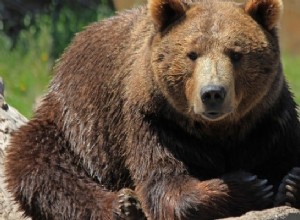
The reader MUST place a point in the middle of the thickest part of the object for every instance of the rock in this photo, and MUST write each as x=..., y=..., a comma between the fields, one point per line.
x=279, y=213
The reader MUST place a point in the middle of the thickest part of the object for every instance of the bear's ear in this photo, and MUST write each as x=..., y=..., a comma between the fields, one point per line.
x=265, y=12
x=165, y=12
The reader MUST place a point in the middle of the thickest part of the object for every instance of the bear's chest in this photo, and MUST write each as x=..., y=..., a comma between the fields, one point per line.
x=207, y=159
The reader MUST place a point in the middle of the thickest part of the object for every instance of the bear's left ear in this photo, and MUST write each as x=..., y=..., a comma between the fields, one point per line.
x=265, y=12
x=165, y=12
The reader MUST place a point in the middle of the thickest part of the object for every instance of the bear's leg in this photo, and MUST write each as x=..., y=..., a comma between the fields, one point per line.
x=49, y=182
x=183, y=197
x=289, y=190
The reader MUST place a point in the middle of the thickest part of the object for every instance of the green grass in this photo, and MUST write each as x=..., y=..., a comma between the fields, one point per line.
x=27, y=70
x=291, y=66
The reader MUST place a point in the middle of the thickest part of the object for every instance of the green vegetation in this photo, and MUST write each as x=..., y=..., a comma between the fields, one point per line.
x=26, y=64
x=26, y=70
x=291, y=66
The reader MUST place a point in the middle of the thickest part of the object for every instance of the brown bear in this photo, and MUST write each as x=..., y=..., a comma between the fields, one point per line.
x=177, y=110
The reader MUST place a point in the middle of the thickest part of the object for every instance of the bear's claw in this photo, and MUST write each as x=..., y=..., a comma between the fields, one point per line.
x=250, y=191
x=289, y=190
x=128, y=207
x=264, y=190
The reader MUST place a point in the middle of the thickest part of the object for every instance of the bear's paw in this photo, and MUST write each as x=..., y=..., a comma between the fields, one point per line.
x=127, y=206
x=289, y=190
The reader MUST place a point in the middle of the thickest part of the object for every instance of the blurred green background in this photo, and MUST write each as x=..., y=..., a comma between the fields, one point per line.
x=34, y=33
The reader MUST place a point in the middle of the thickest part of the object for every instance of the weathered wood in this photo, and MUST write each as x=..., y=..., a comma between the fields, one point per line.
x=280, y=213
x=10, y=120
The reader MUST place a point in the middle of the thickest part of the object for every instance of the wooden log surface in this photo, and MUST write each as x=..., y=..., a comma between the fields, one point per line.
x=10, y=120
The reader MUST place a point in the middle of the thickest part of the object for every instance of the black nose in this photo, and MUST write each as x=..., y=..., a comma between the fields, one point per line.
x=213, y=96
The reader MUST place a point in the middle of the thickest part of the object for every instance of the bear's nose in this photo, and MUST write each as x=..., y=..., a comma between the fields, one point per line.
x=213, y=96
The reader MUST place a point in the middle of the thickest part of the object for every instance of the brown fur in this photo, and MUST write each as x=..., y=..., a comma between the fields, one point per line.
x=165, y=12
x=267, y=12
x=124, y=110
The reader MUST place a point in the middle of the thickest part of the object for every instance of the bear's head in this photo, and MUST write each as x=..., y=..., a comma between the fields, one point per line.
x=216, y=60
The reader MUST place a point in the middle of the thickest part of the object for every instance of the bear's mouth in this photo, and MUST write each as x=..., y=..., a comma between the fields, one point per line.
x=213, y=115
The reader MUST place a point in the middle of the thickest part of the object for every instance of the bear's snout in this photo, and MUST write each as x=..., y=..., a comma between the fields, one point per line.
x=212, y=97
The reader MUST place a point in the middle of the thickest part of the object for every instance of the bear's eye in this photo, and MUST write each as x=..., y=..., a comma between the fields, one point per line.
x=192, y=56
x=235, y=56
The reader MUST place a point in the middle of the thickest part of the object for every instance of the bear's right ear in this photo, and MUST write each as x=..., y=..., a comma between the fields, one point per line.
x=266, y=12
x=165, y=12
